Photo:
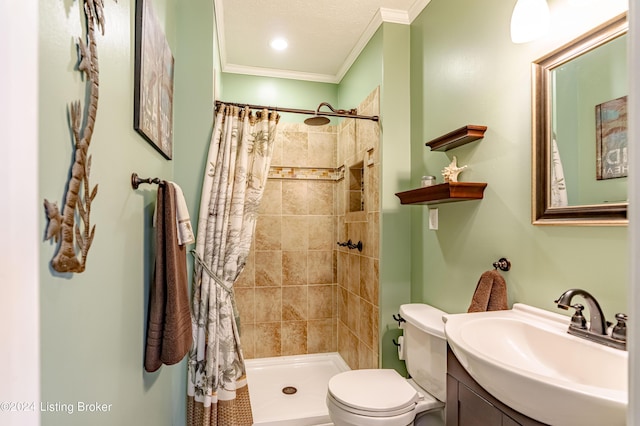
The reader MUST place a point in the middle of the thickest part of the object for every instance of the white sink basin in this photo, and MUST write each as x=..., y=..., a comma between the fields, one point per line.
x=525, y=358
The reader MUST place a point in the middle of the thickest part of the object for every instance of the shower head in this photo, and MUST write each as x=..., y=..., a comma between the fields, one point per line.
x=319, y=119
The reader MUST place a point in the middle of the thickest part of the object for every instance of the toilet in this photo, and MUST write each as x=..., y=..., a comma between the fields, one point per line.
x=385, y=398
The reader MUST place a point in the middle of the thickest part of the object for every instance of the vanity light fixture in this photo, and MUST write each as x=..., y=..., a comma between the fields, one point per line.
x=279, y=43
x=530, y=20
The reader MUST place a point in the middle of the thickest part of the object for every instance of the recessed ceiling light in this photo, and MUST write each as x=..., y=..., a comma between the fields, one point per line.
x=279, y=43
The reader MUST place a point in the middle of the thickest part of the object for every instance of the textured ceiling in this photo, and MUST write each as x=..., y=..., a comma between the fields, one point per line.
x=325, y=36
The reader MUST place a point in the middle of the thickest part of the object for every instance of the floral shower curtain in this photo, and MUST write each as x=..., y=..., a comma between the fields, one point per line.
x=237, y=167
x=558, y=184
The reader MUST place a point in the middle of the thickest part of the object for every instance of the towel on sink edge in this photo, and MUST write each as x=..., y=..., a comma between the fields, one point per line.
x=490, y=294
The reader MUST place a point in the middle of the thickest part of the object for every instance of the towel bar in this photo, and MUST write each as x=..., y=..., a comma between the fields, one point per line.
x=136, y=180
x=503, y=264
x=351, y=245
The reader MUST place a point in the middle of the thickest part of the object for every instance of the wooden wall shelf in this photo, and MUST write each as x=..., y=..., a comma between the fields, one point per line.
x=457, y=138
x=443, y=193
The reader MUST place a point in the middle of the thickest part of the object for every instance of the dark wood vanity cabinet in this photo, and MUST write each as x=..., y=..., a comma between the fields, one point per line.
x=468, y=404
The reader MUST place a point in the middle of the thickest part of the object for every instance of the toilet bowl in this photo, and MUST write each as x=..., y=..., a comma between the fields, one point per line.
x=382, y=396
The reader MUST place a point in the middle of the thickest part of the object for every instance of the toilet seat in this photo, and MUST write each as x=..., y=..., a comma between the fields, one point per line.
x=373, y=393
x=368, y=413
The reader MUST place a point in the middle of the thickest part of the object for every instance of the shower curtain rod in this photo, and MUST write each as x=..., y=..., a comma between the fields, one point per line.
x=302, y=111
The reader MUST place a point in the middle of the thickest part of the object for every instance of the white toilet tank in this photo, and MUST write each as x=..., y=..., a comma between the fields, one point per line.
x=425, y=347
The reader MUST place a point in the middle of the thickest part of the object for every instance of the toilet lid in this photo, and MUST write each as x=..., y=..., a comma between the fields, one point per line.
x=376, y=390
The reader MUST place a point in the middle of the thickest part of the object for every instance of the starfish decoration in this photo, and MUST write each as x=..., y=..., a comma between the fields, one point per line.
x=452, y=171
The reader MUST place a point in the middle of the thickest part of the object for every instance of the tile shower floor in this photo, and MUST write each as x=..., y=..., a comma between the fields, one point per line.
x=291, y=390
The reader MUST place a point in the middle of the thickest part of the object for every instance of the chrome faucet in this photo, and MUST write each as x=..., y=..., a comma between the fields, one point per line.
x=598, y=325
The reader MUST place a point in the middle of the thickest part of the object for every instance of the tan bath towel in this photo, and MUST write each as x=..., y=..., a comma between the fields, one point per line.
x=490, y=294
x=169, y=322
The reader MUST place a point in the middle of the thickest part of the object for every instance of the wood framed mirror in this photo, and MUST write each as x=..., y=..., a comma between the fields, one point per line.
x=579, y=130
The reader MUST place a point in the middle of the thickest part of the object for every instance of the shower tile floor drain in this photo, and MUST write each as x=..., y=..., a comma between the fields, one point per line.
x=289, y=390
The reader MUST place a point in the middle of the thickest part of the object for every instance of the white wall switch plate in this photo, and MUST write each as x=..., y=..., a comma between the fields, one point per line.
x=433, y=219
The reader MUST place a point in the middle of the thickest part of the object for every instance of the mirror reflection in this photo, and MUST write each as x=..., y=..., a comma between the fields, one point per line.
x=580, y=130
x=589, y=127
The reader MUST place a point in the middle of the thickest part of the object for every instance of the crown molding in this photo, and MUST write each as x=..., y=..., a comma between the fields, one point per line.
x=219, y=23
x=279, y=73
x=416, y=9
x=371, y=29
x=395, y=16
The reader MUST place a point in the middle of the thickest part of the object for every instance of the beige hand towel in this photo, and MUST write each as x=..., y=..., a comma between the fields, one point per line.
x=183, y=221
x=490, y=294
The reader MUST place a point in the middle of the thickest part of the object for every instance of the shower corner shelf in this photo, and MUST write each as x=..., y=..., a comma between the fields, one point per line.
x=443, y=193
x=456, y=138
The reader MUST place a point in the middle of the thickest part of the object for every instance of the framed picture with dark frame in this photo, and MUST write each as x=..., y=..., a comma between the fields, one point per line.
x=611, y=139
x=153, y=81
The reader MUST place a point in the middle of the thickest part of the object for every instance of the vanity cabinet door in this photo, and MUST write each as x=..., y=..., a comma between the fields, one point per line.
x=473, y=410
x=468, y=404
x=508, y=421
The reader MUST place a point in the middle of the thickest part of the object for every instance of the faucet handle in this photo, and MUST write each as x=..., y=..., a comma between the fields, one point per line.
x=619, y=331
x=578, y=320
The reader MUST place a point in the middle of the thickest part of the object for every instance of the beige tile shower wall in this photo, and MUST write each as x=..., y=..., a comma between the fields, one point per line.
x=358, y=273
x=287, y=294
x=300, y=292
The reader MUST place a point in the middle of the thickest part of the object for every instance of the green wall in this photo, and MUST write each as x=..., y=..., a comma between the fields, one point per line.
x=465, y=70
x=93, y=324
x=384, y=62
x=278, y=92
x=194, y=100
x=364, y=75
x=395, y=221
